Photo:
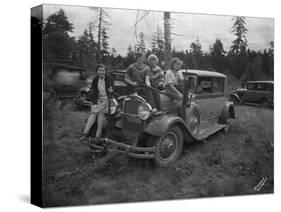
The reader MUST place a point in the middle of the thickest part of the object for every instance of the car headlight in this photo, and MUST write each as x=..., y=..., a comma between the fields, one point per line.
x=144, y=111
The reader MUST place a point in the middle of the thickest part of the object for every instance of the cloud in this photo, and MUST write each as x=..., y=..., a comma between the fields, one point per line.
x=207, y=28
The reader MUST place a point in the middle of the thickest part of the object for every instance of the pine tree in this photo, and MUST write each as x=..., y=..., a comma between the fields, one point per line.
x=196, y=48
x=130, y=58
x=154, y=48
x=58, y=45
x=158, y=44
x=102, y=23
x=58, y=22
x=104, y=44
x=87, y=49
x=141, y=43
x=217, y=48
x=239, y=45
x=217, y=56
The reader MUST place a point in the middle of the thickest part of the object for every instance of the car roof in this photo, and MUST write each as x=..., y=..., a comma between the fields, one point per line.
x=66, y=66
x=203, y=73
x=191, y=71
x=265, y=81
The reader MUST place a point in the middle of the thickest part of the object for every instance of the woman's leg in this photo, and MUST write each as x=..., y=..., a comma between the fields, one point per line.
x=148, y=96
x=90, y=122
x=157, y=100
x=174, y=96
x=101, y=120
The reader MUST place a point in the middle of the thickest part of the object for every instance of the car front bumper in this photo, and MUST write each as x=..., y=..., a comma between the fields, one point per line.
x=106, y=144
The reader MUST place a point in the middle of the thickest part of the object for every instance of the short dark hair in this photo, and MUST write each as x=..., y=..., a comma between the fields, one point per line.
x=140, y=54
x=100, y=65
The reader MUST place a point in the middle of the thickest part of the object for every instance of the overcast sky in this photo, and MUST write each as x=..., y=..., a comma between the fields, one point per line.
x=207, y=28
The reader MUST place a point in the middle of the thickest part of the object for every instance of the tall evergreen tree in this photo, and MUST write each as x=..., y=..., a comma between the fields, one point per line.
x=102, y=23
x=217, y=48
x=141, y=43
x=104, y=44
x=58, y=45
x=130, y=58
x=196, y=48
x=217, y=54
x=87, y=49
x=239, y=29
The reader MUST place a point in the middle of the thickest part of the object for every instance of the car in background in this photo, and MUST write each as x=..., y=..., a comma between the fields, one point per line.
x=66, y=79
x=254, y=93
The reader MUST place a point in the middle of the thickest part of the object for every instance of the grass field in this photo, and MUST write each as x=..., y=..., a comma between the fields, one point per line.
x=237, y=163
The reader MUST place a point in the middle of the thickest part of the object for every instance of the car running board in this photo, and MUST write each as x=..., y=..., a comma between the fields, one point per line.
x=204, y=133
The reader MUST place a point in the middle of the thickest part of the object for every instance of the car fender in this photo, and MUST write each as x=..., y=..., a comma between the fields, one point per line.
x=228, y=112
x=159, y=125
x=235, y=95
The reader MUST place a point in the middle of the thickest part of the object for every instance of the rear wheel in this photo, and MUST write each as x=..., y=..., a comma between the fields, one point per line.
x=168, y=147
x=265, y=103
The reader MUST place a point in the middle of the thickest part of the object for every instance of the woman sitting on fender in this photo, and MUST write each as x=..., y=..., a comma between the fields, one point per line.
x=101, y=90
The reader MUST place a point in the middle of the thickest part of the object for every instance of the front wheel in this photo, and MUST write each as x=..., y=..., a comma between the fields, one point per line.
x=168, y=147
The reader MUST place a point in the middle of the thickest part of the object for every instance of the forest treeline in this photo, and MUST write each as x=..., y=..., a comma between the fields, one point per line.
x=85, y=51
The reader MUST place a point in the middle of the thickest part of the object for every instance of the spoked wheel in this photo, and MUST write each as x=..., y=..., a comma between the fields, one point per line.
x=168, y=147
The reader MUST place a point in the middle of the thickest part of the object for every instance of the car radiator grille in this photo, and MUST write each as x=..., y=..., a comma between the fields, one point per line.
x=131, y=122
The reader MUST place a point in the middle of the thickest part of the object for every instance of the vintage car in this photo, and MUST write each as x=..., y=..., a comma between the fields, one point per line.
x=254, y=93
x=66, y=79
x=141, y=133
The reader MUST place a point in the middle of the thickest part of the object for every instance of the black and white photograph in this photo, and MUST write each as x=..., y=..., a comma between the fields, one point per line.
x=145, y=105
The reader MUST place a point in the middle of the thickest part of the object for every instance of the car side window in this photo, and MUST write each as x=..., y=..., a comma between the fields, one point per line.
x=204, y=86
x=270, y=87
x=251, y=86
x=260, y=87
x=218, y=85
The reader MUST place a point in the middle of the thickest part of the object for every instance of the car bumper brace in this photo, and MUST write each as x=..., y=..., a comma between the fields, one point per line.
x=106, y=144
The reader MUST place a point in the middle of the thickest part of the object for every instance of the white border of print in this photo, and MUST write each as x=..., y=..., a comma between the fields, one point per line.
x=15, y=112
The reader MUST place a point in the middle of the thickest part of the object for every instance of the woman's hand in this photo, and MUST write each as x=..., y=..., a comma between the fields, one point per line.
x=94, y=108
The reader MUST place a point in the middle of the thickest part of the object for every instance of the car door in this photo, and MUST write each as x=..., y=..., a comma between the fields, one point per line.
x=218, y=94
x=210, y=97
x=250, y=93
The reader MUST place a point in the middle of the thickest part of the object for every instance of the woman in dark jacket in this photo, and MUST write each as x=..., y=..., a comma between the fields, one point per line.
x=101, y=91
